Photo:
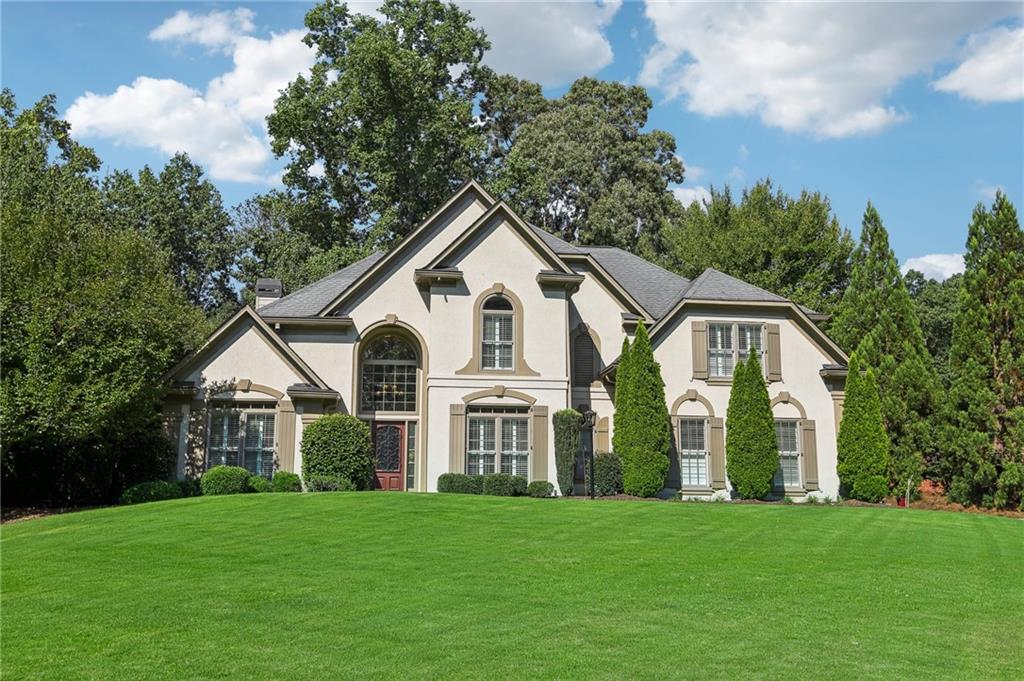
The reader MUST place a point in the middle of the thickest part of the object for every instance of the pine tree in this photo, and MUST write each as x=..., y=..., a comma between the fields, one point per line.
x=863, y=447
x=985, y=462
x=877, y=318
x=642, y=424
x=752, y=454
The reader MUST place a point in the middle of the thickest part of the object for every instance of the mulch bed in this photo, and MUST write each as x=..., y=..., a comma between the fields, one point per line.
x=16, y=514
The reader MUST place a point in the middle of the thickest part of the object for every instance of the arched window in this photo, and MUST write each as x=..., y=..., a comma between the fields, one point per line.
x=388, y=375
x=498, y=333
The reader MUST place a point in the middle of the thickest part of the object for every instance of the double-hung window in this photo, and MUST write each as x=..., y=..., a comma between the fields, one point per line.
x=243, y=434
x=692, y=444
x=732, y=342
x=787, y=439
x=498, y=333
x=498, y=440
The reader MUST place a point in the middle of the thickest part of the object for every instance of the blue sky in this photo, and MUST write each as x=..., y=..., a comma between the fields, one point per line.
x=916, y=107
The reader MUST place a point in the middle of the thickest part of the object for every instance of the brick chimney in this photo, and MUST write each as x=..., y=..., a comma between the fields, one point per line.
x=267, y=291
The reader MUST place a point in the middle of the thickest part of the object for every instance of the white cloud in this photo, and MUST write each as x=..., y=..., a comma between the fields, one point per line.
x=939, y=266
x=223, y=129
x=689, y=195
x=215, y=29
x=737, y=174
x=744, y=152
x=822, y=68
x=986, y=190
x=994, y=71
x=552, y=43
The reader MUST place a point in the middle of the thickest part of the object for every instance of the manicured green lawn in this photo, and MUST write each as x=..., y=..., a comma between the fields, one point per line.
x=405, y=585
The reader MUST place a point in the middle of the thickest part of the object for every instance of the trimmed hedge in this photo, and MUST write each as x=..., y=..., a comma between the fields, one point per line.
x=286, y=482
x=566, y=423
x=460, y=483
x=329, y=483
x=607, y=475
x=504, y=485
x=751, y=452
x=540, y=489
x=189, y=487
x=257, y=483
x=224, y=480
x=338, y=446
x=156, y=490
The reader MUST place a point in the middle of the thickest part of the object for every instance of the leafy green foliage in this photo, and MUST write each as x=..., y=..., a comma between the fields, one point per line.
x=540, y=489
x=863, y=446
x=257, y=483
x=460, y=483
x=936, y=304
x=284, y=481
x=877, y=318
x=607, y=475
x=505, y=485
x=329, y=483
x=582, y=169
x=156, y=490
x=189, y=487
x=792, y=246
x=986, y=440
x=752, y=454
x=224, y=480
x=641, y=420
x=338, y=446
x=566, y=423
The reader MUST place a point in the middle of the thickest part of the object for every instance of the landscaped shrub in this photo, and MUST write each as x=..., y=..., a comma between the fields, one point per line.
x=460, y=483
x=541, y=489
x=752, y=455
x=338, y=446
x=567, y=446
x=329, y=483
x=286, y=482
x=257, y=483
x=157, y=490
x=504, y=485
x=189, y=487
x=607, y=475
x=863, y=445
x=225, y=480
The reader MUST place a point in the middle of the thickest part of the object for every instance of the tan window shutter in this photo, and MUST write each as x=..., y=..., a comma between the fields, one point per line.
x=774, y=353
x=717, y=453
x=286, y=436
x=700, y=350
x=539, y=436
x=603, y=442
x=457, y=439
x=809, y=445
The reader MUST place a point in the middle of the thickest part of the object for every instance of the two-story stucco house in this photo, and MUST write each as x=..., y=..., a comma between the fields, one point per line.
x=459, y=344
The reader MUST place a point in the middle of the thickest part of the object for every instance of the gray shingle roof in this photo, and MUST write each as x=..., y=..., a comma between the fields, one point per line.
x=715, y=285
x=559, y=246
x=310, y=300
x=655, y=288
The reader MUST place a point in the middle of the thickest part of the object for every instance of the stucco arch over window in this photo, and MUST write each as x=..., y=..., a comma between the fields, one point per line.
x=390, y=360
x=494, y=303
x=798, y=448
x=699, y=444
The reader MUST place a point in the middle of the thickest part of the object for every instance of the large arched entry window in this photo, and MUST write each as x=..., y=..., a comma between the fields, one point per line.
x=388, y=381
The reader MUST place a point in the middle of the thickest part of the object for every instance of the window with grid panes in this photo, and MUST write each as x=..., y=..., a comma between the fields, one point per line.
x=498, y=321
x=732, y=342
x=498, y=440
x=243, y=434
x=787, y=439
x=388, y=381
x=693, y=451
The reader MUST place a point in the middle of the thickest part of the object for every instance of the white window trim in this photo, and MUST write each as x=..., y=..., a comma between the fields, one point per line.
x=243, y=409
x=734, y=336
x=496, y=344
x=497, y=416
x=706, y=452
x=799, y=454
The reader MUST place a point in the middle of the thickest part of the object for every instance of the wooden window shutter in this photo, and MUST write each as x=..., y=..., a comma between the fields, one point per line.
x=286, y=436
x=539, y=436
x=583, y=352
x=809, y=446
x=602, y=441
x=457, y=439
x=774, y=353
x=717, y=453
x=700, y=350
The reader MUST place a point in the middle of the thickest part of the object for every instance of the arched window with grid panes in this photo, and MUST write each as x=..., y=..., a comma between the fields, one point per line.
x=497, y=340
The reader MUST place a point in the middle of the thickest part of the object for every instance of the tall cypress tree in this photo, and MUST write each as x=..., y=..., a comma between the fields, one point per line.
x=877, y=317
x=863, y=447
x=642, y=436
x=622, y=412
x=752, y=454
x=985, y=462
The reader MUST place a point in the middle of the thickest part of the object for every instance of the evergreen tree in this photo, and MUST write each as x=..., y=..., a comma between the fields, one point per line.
x=985, y=463
x=752, y=454
x=642, y=436
x=877, y=317
x=863, y=447
x=622, y=413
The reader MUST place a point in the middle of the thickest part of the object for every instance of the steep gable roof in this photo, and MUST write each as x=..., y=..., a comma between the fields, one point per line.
x=715, y=285
x=309, y=300
x=655, y=288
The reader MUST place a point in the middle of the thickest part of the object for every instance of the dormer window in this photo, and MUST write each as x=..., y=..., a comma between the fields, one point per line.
x=497, y=341
x=732, y=342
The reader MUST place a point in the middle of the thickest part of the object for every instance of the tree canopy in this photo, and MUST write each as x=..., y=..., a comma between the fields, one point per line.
x=936, y=303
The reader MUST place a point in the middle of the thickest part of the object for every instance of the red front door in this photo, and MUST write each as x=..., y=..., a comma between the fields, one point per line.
x=389, y=454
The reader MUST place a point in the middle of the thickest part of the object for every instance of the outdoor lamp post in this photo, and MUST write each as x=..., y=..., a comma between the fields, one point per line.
x=589, y=417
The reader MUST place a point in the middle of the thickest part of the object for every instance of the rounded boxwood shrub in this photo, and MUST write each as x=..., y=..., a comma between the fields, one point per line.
x=540, y=489
x=225, y=480
x=504, y=485
x=157, y=490
x=286, y=482
x=189, y=487
x=607, y=475
x=257, y=483
x=329, y=483
x=460, y=483
x=338, y=446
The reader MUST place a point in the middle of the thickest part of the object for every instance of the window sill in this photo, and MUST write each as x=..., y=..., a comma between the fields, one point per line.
x=719, y=380
x=696, y=491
